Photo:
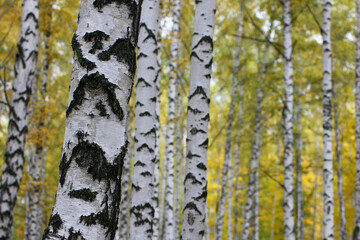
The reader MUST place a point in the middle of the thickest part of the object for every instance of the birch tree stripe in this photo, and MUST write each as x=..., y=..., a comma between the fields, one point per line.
x=328, y=175
x=95, y=144
x=289, y=224
x=195, y=190
x=25, y=64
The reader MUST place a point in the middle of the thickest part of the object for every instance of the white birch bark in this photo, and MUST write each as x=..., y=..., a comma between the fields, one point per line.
x=229, y=199
x=289, y=225
x=33, y=225
x=170, y=135
x=125, y=202
x=343, y=233
x=356, y=232
x=273, y=213
x=25, y=64
x=298, y=157
x=195, y=181
x=142, y=205
x=95, y=144
x=227, y=154
x=156, y=221
x=327, y=125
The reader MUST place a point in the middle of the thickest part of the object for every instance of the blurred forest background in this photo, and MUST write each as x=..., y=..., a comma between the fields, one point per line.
x=262, y=26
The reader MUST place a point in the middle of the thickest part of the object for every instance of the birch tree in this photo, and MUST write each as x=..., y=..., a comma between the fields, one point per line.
x=227, y=154
x=289, y=225
x=343, y=233
x=142, y=206
x=95, y=144
x=170, y=135
x=298, y=157
x=195, y=190
x=356, y=232
x=327, y=125
x=25, y=64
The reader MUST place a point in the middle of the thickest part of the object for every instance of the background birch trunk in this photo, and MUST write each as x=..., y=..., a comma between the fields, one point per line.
x=328, y=175
x=142, y=205
x=95, y=144
x=195, y=181
x=298, y=157
x=25, y=65
x=289, y=225
x=356, y=232
x=170, y=135
x=338, y=142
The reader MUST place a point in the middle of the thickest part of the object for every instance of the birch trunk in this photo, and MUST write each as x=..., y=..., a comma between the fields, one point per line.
x=195, y=181
x=273, y=213
x=327, y=126
x=298, y=157
x=343, y=233
x=229, y=199
x=170, y=135
x=227, y=154
x=356, y=232
x=142, y=207
x=289, y=225
x=156, y=221
x=317, y=156
x=25, y=64
x=95, y=145
x=124, y=215
x=33, y=226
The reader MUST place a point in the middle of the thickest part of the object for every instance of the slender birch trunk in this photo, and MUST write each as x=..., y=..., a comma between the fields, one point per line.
x=343, y=233
x=227, y=154
x=33, y=226
x=170, y=135
x=125, y=202
x=327, y=125
x=298, y=157
x=356, y=232
x=273, y=213
x=195, y=182
x=289, y=225
x=95, y=145
x=229, y=199
x=25, y=64
x=157, y=215
x=317, y=156
x=142, y=207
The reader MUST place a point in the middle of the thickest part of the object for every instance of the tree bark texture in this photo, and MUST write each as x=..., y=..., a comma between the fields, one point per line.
x=95, y=144
x=142, y=206
x=289, y=224
x=328, y=174
x=170, y=135
x=25, y=64
x=195, y=191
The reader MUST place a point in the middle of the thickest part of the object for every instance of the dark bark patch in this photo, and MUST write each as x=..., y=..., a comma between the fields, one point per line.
x=55, y=224
x=191, y=176
x=85, y=194
x=124, y=51
x=64, y=166
x=102, y=109
x=92, y=82
x=204, y=40
x=75, y=235
x=192, y=206
x=96, y=38
x=99, y=4
x=138, y=210
x=150, y=35
x=202, y=166
x=85, y=63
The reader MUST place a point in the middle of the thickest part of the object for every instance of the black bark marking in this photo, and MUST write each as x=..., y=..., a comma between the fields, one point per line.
x=142, y=80
x=202, y=166
x=55, y=223
x=192, y=206
x=85, y=63
x=204, y=39
x=102, y=109
x=85, y=194
x=198, y=90
x=193, y=178
x=75, y=235
x=150, y=35
x=124, y=51
x=64, y=166
x=96, y=38
x=205, y=144
x=138, y=210
x=190, y=155
x=194, y=131
x=96, y=81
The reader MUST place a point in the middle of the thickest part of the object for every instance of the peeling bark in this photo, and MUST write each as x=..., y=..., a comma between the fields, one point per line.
x=95, y=144
x=25, y=64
